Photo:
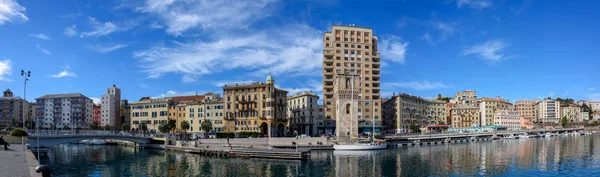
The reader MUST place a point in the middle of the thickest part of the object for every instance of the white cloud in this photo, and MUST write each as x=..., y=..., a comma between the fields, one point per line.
x=5, y=69
x=97, y=101
x=180, y=16
x=41, y=36
x=444, y=31
x=171, y=93
x=428, y=38
x=414, y=85
x=393, y=49
x=295, y=49
x=64, y=73
x=106, y=49
x=70, y=31
x=312, y=85
x=496, y=18
x=475, y=4
x=10, y=11
x=490, y=50
x=99, y=28
x=591, y=89
x=43, y=50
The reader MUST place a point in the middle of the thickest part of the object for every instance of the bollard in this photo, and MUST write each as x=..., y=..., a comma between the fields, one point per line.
x=45, y=170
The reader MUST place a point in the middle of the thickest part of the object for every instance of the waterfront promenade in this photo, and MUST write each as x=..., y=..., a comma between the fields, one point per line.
x=18, y=163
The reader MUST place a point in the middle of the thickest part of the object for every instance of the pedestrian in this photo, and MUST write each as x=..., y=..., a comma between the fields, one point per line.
x=2, y=142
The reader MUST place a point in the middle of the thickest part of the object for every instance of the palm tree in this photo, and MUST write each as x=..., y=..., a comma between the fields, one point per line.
x=124, y=127
x=206, y=126
x=185, y=125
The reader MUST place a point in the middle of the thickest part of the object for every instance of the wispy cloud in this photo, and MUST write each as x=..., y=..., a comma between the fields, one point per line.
x=591, y=89
x=41, y=36
x=291, y=49
x=64, y=73
x=312, y=85
x=444, y=31
x=415, y=85
x=71, y=16
x=594, y=97
x=71, y=31
x=490, y=50
x=43, y=50
x=99, y=28
x=496, y=18
x=180, y=16
x=393, y=49
x=5, y=69
x=475, y=4
x=428, y=38
x=526, y=4
x=11, y=11
x=106, y=49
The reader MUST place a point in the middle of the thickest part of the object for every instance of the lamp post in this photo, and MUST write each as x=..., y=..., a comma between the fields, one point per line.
x=26, y=76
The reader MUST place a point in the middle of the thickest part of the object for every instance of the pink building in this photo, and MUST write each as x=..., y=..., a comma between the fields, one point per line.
x=526, y=123
x=96, y=115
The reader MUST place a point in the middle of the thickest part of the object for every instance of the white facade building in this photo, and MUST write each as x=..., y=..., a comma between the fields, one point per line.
x=64, y=111
x=508, y=119
x=595, y=105
x=110, y=108
x=303, y=113
x=548, y=111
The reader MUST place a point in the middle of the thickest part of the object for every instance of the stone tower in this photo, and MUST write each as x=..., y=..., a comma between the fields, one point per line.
x=347, y=96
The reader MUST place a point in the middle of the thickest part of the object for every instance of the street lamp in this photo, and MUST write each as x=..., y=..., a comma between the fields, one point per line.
x=26, y=76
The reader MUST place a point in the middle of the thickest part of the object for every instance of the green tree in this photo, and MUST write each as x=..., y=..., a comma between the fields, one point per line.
x=29, y=124
x=107, y=127
x=93, y=126
x=13, y=123
x=52, y=126
x=171, y=125
x=124, y=127
x=415, y=128
x=163, y=128
x=66, y=127
x=78, y=127
x=18, y=132
x=185, y=125
x=564, y=121
x=206, y=126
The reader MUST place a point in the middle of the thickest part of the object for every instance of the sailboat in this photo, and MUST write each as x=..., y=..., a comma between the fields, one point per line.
x=373, y=145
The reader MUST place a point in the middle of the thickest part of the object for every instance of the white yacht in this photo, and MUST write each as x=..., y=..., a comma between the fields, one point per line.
x=523, y=136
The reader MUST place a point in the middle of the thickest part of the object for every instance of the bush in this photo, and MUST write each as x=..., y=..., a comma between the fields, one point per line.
x=18, y=132
x=225, y=135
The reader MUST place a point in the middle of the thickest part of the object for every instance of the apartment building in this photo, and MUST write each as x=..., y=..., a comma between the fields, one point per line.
x=548, y=111
x=466, y=98
x=594, y=105
x=110, y=105
x=325, y=127
x=152, y=112
x=351, y=49
x=210, y=109
x=585, y=116
x=255, y=107
x=302, y=113
x=64, y=111
x=572, y=112
x=96, y=116
x=508, y=119
x=525, y=108
x=124, y=112
x=488, y=108
x=465, y=116
x=178, y=108
x=404, y=110
x=30, y=112
x=11, y=107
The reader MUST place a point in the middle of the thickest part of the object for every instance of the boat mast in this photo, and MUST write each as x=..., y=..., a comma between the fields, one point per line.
x=352, y=109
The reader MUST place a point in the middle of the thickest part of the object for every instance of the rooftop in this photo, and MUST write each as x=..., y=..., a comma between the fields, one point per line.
x=66, y=95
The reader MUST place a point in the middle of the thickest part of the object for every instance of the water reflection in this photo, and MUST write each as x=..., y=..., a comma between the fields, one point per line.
x=558, y=156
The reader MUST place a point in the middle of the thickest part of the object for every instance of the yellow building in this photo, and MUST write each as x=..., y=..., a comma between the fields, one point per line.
x=488, y=108
x=573, y=113
x=255, y=107
x=466, y=116
x=151, y=111
x=211, y=109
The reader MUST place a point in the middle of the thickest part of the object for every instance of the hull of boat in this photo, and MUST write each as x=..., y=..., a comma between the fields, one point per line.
x=359, y=147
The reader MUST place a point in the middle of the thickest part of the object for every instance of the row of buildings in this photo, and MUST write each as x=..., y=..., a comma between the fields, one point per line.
x=351, y=103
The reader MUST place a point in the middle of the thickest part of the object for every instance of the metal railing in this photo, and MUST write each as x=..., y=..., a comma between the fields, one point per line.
x=71, y=133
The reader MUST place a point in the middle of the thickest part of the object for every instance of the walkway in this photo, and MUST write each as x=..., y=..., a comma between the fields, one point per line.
x=18, y=163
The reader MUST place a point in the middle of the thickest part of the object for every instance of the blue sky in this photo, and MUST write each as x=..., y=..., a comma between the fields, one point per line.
x=514, y=49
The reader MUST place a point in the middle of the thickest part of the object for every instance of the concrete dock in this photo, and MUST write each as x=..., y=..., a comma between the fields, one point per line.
x=15, y=162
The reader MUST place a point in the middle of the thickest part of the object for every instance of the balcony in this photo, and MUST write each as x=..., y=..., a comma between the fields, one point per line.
x=376, y=69
x=328, y=79
x=328, y=86
x=328, y=60
x=376, y=55
x=328, y=66
x=328, y=52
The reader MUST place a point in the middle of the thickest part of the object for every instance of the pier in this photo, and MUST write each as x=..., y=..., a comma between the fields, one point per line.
x=244, y=152
x=450, y=138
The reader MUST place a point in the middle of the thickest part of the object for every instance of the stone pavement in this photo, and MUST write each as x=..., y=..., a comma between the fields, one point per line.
x=15, y=162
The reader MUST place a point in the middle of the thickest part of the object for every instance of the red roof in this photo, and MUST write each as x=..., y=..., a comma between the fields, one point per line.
x=195, y=98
